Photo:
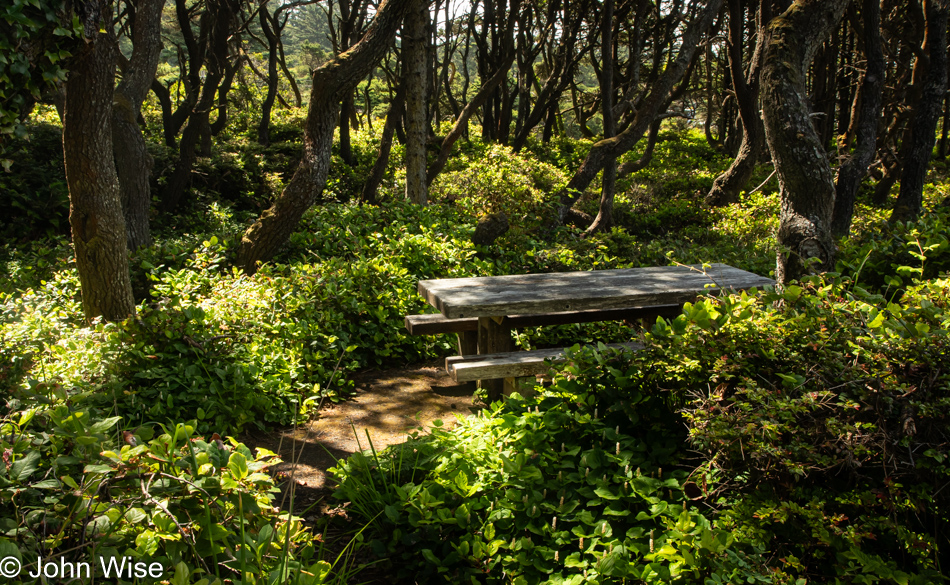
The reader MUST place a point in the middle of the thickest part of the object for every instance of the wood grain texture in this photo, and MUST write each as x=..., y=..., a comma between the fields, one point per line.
x=559, y=292
x=435, y=323
x=511, y=364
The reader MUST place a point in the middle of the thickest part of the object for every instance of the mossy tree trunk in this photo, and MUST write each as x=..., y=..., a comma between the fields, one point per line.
x=331, y=83
x=806, y=184
x=95, y=210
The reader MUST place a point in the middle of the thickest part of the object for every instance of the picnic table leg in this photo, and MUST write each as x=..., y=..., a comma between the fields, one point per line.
x=468, y=342
x=494, y=336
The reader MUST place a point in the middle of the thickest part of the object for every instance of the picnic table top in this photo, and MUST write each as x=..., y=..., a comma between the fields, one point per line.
x=496, y=296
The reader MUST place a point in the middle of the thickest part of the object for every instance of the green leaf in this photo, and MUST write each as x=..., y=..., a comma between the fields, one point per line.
x=574, y=561
x=181, y=574
x=237, y=463
x=877, y=319
x=606, y=494
x=658, y=508
x=792, y=292
x=104, y=425
x=429, y=556
x=135, y=515
x=147, y=543
x=24, y=467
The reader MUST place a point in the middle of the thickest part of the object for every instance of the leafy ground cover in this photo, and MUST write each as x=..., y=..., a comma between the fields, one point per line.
x=789, y=438
x=803, y=436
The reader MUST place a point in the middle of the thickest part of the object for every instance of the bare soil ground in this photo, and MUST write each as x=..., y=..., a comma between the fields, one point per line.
x=388, y=405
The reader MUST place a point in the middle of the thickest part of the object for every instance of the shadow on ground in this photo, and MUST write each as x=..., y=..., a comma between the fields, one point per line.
x=388, y=405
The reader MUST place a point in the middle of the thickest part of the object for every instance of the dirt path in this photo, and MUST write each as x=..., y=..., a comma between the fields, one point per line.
x=388, y=405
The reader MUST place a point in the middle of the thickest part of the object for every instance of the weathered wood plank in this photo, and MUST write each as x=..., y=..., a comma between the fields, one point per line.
x=435, y=323
x=510, y=364
x=560, y=292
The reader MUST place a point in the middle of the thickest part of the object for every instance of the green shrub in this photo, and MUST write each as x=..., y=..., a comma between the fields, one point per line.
x=547, y=490
x=823, y=414
x=887, y=257
x=75, y=486
x=34, y=200
x=495, y=179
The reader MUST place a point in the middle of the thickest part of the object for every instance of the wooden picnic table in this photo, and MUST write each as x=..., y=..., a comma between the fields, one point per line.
x=494, y=299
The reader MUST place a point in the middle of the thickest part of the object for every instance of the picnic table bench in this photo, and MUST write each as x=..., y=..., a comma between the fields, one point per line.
x=484, y=310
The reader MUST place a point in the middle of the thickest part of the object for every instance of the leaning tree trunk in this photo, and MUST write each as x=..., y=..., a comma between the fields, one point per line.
x=220, y=12
x=853, y=170
x=726, y=187
x=461, y=123
x=605, y=218
x=132, y=160
x=331, y=83
x=609, y=149
x=371, y=186
x=416, y=33
x=95, y=210
x=271, y=30
x=926, y=114
x=806, y=185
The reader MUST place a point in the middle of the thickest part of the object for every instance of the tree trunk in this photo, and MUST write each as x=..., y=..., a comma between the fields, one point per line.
x=220, y=14
x=944, y=130
x=221, y=121
x=605, y=218
x=95, y=210
x=347, y=109
x=853, y=170
x=331, y=83
x=726, y=187
x=270, y=28
x=550, y=123
x=806, y=185
x=133, y=163
x=926, y=114
x=484, y=92
x=610, y=149
x=415, y=31
x=634, y=166
x=892, y=170
x=171, y=120
x=385, y=147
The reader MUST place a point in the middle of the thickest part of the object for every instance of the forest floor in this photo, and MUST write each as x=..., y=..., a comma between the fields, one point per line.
x=388, y=405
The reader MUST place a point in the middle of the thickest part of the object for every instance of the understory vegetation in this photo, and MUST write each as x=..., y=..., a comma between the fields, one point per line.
x=794, y=436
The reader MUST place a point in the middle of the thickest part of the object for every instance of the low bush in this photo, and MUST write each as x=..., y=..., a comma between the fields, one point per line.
x=77, y=486
x=810, y=423
x=34, y=200
x=888, y=257
x=494, y=179
x=823, y=412
x=546, y=489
